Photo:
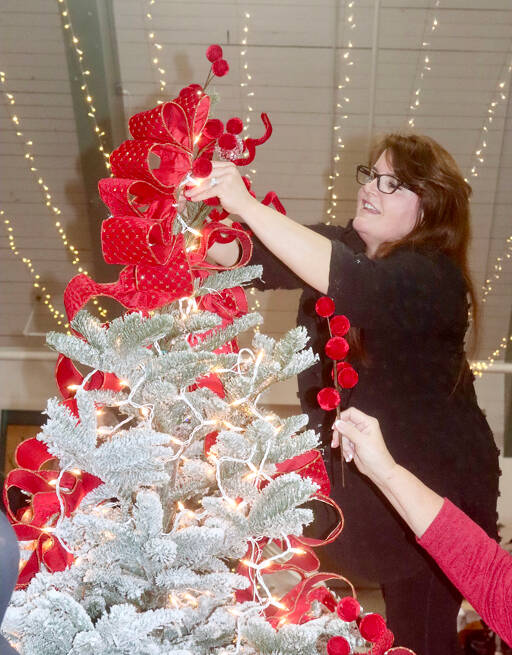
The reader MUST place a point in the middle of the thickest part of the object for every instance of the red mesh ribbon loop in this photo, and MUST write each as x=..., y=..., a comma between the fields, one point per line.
x=198, y=258
x=132, y=160
x=126, y=197
x=250, y=144
x=131, y=240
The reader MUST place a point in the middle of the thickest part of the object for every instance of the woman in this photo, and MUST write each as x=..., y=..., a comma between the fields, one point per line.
x=477, y=566
x=399, y=272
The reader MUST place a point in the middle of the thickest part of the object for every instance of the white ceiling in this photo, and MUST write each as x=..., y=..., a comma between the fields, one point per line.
x=295, y=55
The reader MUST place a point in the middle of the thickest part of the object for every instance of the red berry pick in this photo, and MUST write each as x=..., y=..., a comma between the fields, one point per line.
x=324, y=306
x=338, y=646
x=328, y=398
x=213, y=53
x=348, y=609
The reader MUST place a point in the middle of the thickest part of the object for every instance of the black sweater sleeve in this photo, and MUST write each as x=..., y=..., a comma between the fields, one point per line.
x=277, y=275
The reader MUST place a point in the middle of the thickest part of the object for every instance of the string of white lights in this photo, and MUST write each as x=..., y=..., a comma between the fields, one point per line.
x=341, y=101
x=246, y=85
x=37, y=284
x=52, y=208
x=84, y=74
x=426, y=68
x=155, y=50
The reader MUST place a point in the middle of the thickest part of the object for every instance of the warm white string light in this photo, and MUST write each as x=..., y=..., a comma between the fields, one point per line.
x=37, y=284
x=500, y=96
x=52, y=208
x=155, y=50
x=246, y=85
x=84, y=74
x=425, y=44
x=342, y=100
x=497, y=268
x=479, y=367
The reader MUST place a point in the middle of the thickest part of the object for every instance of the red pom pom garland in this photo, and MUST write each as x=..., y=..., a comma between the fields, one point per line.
x=214, y=53
x=339, y=325
x=328, y=398
x=348, y=377
x=234, y=126
x=338, y=646
x=336, y=348
x=227, y=141
x=202, y=167
x=348, y=609
x=324, y=306
x=220, y=67
x=372, y=627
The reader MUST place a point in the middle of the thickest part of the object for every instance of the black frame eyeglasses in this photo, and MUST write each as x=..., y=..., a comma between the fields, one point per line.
x=385, y=183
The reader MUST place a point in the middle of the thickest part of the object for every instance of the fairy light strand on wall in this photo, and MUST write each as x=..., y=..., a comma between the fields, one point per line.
x=155, y=50
x=245, y=85
x=37, y=284
x=342, y=99
x=426, y=68
x=84, y=74
x=52, y=208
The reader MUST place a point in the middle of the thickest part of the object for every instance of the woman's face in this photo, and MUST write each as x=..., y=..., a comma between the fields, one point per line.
x=382, y=217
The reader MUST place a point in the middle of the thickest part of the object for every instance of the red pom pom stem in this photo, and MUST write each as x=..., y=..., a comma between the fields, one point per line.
x=220, y=67
x=328, y=398
x=372, y=627
x=336, y=348
x=338, y=646
x=325, y=306
x=234, y=125
x=202, y=167
x=339, y=325
x=213, y=53
x=348, y=609
x=348, y=377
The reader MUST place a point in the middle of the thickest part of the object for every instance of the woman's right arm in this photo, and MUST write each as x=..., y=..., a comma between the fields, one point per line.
x=304, y=252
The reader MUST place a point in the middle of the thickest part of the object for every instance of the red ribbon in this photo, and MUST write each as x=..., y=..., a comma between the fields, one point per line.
x=35, y=519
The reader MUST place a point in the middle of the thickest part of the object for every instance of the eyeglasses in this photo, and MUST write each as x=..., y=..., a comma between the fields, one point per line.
x=385, y=183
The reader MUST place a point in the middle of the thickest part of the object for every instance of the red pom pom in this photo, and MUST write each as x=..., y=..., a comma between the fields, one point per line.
x=336, y=348
x=384, y=642
x=348, y=609
x=202, y=167
x=328, y=398
x=372, y=627
x=348, y=377
x=227, y=141
x=340, y=325
x=234, y=126
x=213, y=128
x=220, y=67
x=324, y=306
x=338, y=646
x=213, y=53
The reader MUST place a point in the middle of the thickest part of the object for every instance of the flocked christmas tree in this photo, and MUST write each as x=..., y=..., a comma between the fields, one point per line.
x=160, y=497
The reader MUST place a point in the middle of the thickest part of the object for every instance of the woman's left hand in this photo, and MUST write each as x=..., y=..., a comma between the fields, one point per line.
x=226, y=183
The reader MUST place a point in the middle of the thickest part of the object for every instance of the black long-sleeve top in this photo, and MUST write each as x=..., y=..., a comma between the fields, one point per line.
x=411, y=307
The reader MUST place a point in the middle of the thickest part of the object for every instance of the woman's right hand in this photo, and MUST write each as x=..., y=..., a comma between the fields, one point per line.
x=362, y=441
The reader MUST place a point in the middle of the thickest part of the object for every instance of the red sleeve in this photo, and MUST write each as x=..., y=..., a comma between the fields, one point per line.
x=475, y=564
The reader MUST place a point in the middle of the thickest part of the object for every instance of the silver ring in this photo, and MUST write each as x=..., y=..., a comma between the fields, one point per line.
x=213, y=181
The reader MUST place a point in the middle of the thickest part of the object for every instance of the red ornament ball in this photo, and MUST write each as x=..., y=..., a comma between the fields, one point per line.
x=213, y=128
x=348, y=609
x=372, y=627
x=202, y=167
x=336, y=348
x=328, y=398
x=227, y=141
x=348, y=377
x=213, y=53
x=338, y=646
x=324, y=306
x=234, y=125
x=340, y=325
x=220, y=67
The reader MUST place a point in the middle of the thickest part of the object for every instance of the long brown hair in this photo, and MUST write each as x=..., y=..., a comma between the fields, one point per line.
x=444, y=216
